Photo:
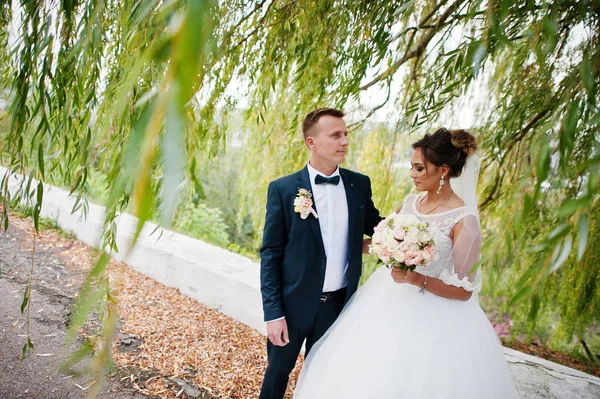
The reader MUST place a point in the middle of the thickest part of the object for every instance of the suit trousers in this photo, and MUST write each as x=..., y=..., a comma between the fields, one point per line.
x=282, y=359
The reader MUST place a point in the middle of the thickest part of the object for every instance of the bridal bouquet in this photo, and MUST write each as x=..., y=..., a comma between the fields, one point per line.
x=403, y=240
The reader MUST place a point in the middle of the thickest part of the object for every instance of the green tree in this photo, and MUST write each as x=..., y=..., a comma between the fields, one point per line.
x=204, y=223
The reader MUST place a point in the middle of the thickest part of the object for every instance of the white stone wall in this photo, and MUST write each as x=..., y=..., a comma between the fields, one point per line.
x=218, y=278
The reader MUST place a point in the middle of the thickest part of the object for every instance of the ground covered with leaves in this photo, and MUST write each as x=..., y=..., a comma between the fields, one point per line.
x=168, y=345
x=54, y=288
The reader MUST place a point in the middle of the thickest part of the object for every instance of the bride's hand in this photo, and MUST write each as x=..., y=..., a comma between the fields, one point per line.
x=404, y=277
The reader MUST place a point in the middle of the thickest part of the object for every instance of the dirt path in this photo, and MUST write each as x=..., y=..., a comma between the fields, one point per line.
x=52, y=295
x=168, y=345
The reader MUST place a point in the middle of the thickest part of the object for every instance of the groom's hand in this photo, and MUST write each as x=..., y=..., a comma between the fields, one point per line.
x=278, y=332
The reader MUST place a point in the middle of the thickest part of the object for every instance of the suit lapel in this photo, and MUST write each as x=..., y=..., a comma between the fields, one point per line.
x=304, y=182
x=349, y=187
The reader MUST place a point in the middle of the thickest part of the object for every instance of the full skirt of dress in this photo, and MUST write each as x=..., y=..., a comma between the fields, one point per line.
x=391, y=341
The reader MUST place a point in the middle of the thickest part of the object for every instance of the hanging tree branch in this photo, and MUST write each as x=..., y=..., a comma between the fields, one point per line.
x=418, y=51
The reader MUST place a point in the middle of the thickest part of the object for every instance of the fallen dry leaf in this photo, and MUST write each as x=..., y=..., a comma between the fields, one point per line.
x=178, y=337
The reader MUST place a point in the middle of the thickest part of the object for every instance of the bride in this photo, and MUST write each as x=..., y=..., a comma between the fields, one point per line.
x=420, y=334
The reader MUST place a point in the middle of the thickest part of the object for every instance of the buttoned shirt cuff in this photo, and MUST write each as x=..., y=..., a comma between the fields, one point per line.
x=281, y=318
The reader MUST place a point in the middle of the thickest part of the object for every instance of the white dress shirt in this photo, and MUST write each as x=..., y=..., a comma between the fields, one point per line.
x=332, y=208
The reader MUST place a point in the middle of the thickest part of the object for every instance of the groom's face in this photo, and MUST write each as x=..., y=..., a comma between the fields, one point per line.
x=328, y=141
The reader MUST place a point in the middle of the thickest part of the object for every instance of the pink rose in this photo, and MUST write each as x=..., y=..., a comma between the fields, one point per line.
x=385, y=254
x=412, y=258
x=304, y=204
x=409, y=257
x=431, y=251
x=418, y=258
x=385, y=251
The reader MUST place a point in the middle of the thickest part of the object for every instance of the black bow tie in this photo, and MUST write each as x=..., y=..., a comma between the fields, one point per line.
x=327, y=180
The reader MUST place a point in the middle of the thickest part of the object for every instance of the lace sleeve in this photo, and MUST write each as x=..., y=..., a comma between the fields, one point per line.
x=466, y=251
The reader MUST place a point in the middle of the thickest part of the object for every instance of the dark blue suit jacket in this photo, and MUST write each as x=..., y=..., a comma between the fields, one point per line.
x=292, y=267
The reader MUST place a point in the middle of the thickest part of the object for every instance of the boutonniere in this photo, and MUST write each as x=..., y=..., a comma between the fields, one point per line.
x=303, y=204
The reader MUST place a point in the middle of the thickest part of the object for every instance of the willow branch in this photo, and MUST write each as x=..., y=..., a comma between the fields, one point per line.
x=423, y=21
x=253, y=31
x=432, y=12
x=245, y=18
x=510, y=146
x=566, y=88
x=564, y=33
x=404, y=32
x=375, y=109
x=410, y=42
x=418, y=51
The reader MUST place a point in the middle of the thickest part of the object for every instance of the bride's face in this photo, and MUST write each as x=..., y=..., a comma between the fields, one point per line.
x=425, y=175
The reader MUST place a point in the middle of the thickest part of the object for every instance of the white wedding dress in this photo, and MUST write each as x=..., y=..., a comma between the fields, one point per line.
x=391, y=341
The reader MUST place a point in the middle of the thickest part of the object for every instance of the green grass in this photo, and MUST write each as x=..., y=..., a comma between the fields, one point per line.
x=44, y=223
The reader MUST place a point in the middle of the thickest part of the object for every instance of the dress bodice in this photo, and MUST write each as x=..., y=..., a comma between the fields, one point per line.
x=441, y=225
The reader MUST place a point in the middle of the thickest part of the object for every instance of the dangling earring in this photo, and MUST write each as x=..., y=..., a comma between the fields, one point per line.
x=441, y=184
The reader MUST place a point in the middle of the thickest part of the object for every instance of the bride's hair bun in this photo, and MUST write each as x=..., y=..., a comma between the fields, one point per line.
x=465, y=140
x=448, y=147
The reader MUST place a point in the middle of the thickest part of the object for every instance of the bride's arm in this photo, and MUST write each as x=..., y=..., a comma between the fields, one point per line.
x=434, y=285
x=466, y=250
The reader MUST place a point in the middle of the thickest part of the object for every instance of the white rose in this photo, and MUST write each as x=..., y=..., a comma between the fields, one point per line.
x=378, y=237
x=398, y=256
x=390, y=242
x=426, y=256
x=410, y=238
x=374, y=249
x=424, y=236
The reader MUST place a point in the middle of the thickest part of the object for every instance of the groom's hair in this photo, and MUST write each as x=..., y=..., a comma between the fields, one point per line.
x=313, y=117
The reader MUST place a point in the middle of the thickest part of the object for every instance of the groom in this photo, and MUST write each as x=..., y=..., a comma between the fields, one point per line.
x=311, y=255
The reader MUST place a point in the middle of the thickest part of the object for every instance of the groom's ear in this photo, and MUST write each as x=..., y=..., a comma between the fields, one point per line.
x=310, y=142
